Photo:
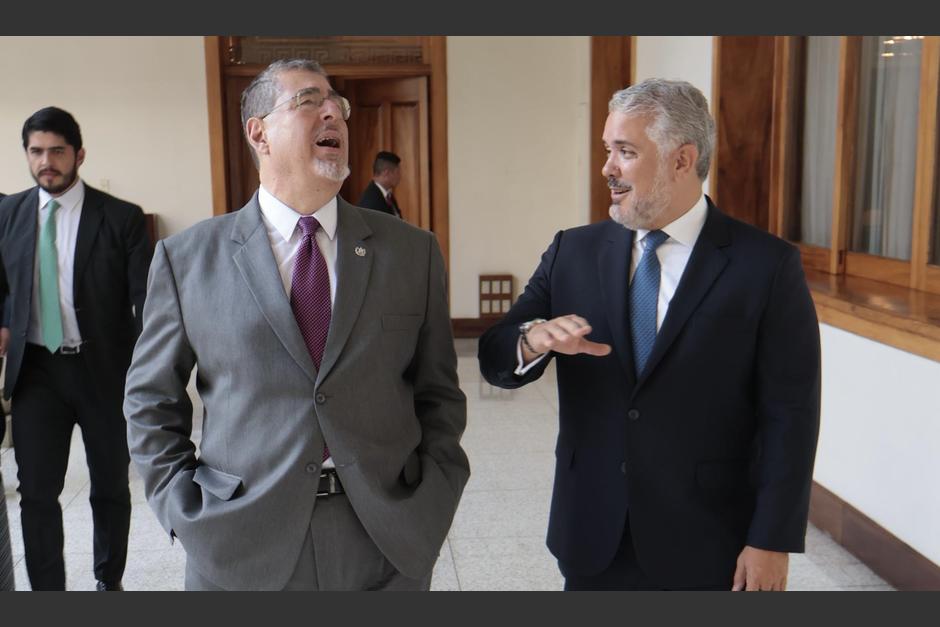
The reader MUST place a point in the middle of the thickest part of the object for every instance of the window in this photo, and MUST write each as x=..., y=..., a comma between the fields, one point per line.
x=856, y=151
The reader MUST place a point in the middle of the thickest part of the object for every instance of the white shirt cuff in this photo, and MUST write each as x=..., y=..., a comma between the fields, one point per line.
x=521, y=367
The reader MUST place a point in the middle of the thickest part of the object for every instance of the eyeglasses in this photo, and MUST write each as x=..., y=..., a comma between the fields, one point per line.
x=311, y=99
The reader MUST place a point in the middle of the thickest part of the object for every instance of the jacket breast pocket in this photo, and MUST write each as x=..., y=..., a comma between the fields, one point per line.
x=218, y=483
x=401, y=322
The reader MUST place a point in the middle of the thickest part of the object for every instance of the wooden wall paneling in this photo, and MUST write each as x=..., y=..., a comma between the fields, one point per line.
x=404, y=123
x=216, y=96
x=424, y=178
x=611, y=70
x=784, y=188
x=242, y=174
x=437, y=136
x=744, y=120
x=715, y=106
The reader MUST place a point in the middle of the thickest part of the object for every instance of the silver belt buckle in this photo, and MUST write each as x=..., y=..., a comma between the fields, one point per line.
x=70, y=350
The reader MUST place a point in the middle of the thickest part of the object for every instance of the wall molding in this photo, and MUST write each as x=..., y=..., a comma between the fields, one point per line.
x=891, y=558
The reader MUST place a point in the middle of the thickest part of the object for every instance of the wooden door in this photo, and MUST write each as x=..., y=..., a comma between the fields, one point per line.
x=391, y=114
x=242, y=173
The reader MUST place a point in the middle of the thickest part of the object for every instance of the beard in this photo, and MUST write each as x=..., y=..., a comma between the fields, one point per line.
x=68, y=177
x=642, y=212
x=331, y=170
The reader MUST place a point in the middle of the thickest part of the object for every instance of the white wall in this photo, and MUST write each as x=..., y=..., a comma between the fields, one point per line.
x=677, y=58
x=141, y=105
x=518, y=140
x=879, y=441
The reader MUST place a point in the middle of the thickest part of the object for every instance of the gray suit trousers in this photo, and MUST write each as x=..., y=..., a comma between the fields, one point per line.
x=337, y=555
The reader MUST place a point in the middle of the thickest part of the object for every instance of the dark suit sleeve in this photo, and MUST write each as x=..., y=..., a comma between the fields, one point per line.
x=497, y=348
x=4, y=291
x=440, y=405
x=788, y=397
x=139, y=253
x=4, y=287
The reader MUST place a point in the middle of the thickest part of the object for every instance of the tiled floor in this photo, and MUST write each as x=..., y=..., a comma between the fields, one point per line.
x=497, y=541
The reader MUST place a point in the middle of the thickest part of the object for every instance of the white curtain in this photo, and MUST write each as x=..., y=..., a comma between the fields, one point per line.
x=819, y=139
x=889, y=89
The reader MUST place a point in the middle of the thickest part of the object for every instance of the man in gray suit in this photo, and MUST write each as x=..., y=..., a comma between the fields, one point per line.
x=330, y=455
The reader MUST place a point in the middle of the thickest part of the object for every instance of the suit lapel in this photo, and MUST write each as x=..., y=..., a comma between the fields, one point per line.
x=88, y=226
x=705, y=265
x=26, y=227
x=613, y=272
x=255, y=261
x=352, y=279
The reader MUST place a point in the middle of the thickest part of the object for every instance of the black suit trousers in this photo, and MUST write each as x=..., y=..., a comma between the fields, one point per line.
x=54, y=392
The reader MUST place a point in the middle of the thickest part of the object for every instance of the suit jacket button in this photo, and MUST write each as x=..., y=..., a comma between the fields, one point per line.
x=320, y=398
x=633, y=414
x=311, y=468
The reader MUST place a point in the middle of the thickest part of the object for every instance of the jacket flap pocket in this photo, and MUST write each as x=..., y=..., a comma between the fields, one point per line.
x=221, y=484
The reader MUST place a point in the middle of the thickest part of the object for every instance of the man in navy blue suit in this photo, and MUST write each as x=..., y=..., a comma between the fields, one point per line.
x=687, y=354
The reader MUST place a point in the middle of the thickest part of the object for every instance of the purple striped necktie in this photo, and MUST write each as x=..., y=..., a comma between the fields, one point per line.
x=310, y=294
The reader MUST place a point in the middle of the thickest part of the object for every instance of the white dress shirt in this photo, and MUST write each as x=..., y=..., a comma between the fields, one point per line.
x=66, y=234
x=381, y=189
x=673, y=257
x=285, y=236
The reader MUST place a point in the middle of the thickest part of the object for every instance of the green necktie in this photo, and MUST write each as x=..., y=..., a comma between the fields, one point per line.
x=50, y=314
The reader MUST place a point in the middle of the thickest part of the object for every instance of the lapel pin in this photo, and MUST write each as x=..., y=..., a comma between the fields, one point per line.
x=360, y=251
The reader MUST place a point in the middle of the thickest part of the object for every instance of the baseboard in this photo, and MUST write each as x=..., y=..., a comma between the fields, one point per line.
x=892, y=559
x=471, y=327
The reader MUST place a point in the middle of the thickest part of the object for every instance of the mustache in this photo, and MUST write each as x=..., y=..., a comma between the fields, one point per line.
x=614, y=182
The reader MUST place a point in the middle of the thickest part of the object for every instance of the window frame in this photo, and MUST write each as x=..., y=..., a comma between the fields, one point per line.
x=836, y=259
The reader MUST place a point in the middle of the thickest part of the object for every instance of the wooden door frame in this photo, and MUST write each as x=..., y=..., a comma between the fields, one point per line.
x=612, y=69
x=435, y=53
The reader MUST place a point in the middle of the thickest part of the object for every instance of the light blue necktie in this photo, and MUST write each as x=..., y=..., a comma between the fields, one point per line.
x=50, y=314
x=644, y=297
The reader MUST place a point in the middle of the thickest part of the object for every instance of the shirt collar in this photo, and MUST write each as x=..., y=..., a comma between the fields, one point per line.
x=381, y=189
x=686, y=228
x=285, y=219
x=68, y=200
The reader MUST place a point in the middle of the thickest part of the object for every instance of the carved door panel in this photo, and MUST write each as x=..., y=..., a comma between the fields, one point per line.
x=391, y=114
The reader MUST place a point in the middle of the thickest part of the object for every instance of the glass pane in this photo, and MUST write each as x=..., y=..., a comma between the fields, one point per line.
x=886, y=152
x=820, y=116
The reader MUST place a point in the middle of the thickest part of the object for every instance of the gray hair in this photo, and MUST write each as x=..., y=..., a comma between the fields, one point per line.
x=680, y=116
x=259, y=97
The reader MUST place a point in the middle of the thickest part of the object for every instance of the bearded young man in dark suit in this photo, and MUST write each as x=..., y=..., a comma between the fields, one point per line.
x=688, y=364
x=76, y=260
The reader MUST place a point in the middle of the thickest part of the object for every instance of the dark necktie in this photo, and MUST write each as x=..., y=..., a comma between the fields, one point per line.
x=310, y=294
x=644, y=297
x=390, y=200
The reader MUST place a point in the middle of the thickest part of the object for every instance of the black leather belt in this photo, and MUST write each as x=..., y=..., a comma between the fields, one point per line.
x=62, y=350
x=329, y=483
